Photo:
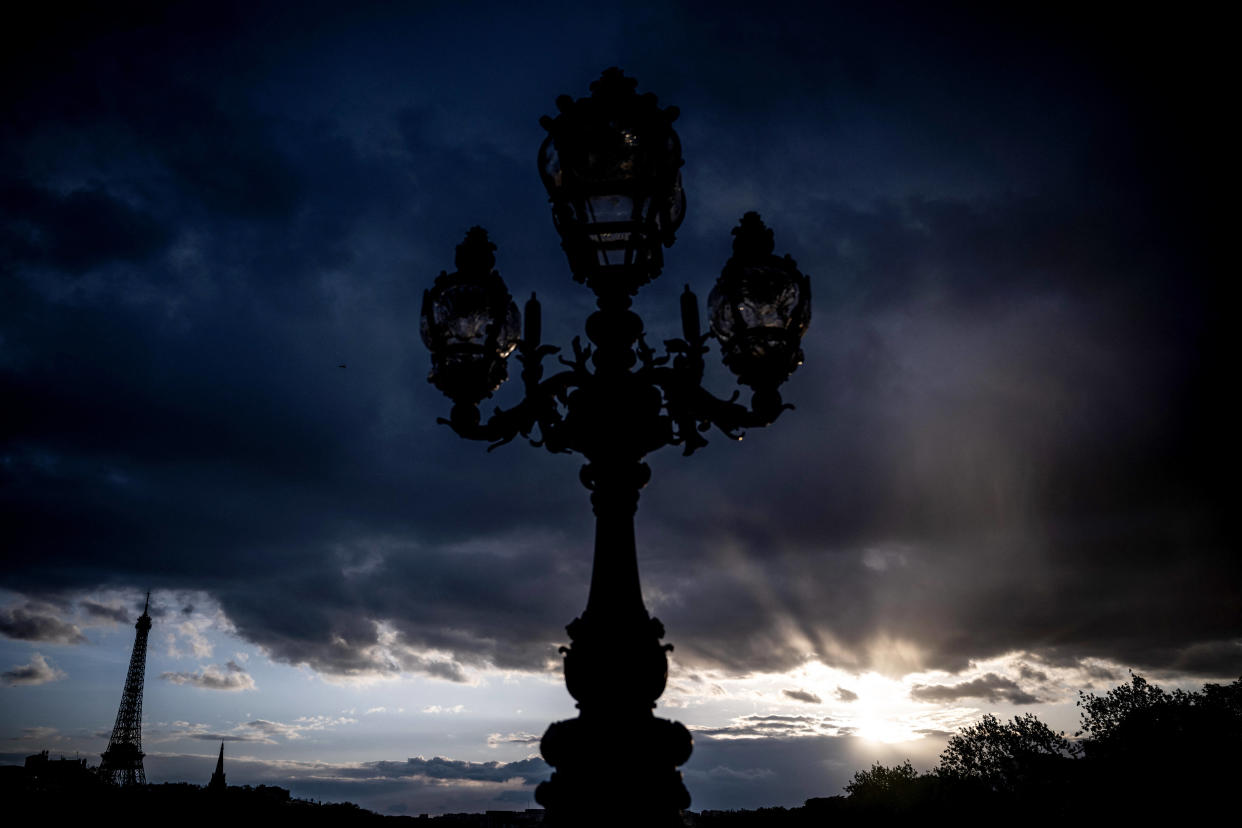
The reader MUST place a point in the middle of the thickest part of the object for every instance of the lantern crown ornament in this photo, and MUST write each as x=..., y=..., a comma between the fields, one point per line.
x=470, y=323
x=612, y=167
x=759, y=308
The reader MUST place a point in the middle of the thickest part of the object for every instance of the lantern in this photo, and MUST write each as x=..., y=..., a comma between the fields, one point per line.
x=759, y=308
x=612, y=166
x=470, y=323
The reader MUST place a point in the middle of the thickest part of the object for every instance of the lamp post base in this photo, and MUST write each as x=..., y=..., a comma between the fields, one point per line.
x=615, y=771
x=616, y=764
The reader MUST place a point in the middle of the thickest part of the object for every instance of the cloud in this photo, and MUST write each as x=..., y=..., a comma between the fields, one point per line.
x=746, y=775
x=225, y=737
x=757, y=726
x=77, y=231
x=846, y=695
x=530, y=771
x=1007, y=421
x=104, y=612
x=37, y=671
x=196, y=642
x=204, y=733
x=803, y=696
x=520, y=738
x=229, y=677
x=1029, y=673
x=298, y=727
x=37, y=622
x=38, y=733
x=436, y=785
x=1101, y=671
x=990, y=687
x=784, y=772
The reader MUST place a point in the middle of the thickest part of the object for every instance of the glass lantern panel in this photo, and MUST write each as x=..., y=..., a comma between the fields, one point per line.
x=613, y=249
x=769, y=304
x=720, y=314
x=613, y=160
x=550, y=165
x=510, y=330
x=760, y=297
x=467, y=328
x=609, y=208
x=463, y=316
x=676, y=207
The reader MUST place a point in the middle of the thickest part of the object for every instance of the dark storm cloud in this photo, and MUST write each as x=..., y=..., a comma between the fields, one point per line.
x=989, y=687
x=530, y=771
x=417, y=785
x=253, y=468
x=80, y=231
x=1007, y=436
x=38, y=622
x=1097, y=671
x=103, y=612
x=1029, y=673
x=993, y=451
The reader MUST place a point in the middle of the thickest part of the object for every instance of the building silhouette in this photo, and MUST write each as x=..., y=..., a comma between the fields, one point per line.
x=122, y=761
x=217, y=779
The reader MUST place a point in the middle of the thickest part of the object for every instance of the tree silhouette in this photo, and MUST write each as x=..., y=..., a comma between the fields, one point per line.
x=1103, y=716
x=880, y=780
x=1008, y=757
x=897, y=789
x=1179, y=752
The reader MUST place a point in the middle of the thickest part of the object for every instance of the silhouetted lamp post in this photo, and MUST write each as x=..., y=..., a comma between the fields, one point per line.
x=611, y=164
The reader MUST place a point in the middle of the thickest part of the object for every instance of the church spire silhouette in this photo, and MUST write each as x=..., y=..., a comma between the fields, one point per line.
x=122, y=761
x=217, y=779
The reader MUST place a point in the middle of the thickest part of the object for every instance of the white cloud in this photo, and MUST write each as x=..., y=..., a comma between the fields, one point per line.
x=38, y=671
x=298, y=727
x=213, y=677
x=38, y=733
x=495, y=740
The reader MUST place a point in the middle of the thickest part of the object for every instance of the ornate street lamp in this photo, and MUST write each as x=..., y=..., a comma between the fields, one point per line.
x=611, y=165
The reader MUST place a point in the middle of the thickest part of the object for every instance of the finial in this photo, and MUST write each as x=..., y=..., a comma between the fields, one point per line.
x=476, y=254
x=752, y=239
x=612, y=81
x=147, y=604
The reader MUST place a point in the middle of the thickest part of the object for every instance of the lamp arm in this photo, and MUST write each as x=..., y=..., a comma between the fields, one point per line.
x=499, y=429
x=765, y=406
x=540, y=407
x=694, y=409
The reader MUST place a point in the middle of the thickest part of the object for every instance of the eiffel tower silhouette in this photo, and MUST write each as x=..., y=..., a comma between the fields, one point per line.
x=122, y=761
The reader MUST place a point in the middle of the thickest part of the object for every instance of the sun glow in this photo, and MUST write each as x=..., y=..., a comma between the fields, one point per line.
x=885, y=730
x=882, y=712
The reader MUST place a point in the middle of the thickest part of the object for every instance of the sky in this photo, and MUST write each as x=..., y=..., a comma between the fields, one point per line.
x=1006, y=479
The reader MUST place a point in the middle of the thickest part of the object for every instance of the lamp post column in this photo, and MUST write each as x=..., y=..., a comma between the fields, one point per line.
x=616, y=757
